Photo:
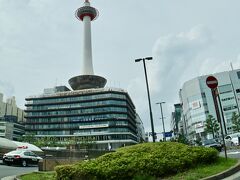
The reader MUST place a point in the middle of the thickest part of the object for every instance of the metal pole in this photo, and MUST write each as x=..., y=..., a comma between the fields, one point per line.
x=164, y=138
x=149, y=101
x=220, y=104
x=219, y=119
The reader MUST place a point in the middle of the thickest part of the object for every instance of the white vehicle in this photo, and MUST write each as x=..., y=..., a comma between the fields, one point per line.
x=21, y=157
x=232, y=139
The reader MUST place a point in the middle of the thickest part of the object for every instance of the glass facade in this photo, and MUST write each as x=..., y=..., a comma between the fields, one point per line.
x=107, y=116
x=198, y=102
x=176, y=118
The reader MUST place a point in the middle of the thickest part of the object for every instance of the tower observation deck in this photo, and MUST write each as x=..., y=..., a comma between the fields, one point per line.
x=87, y=80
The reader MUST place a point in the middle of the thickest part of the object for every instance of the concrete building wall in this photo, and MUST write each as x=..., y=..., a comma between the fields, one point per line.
x=175, y=119
x=10, y=108
x=140, y=129
x=198, y=103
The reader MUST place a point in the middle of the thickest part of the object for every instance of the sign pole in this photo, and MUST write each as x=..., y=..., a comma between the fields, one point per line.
x=219, y=119
x=212, y=83
x=220, y=104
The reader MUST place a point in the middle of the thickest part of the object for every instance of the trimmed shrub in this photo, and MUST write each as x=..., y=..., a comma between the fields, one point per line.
x=148, y=159
x=65, y=172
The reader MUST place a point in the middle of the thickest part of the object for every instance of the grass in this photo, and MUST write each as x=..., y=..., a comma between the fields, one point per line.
x=38, y=176
x=203, y=171
x=199, y=172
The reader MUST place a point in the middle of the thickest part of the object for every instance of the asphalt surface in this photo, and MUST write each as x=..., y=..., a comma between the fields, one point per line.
x=231, y=154
x=15, y=170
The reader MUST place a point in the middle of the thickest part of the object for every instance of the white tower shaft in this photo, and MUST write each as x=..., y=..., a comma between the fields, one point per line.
x=87, y=68
x=87, y=80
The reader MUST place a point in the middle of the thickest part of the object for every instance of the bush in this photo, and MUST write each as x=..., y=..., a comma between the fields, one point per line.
x=148, y=159
x=65, y=172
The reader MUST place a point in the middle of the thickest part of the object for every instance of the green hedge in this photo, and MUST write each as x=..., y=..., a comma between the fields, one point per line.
x=148, y=159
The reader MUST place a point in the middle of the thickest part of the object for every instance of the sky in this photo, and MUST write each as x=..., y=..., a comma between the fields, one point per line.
x=41, y=46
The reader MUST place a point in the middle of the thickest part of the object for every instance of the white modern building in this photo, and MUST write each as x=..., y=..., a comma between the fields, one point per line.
x=11, y=119
x=197, y=102
x=10, y=108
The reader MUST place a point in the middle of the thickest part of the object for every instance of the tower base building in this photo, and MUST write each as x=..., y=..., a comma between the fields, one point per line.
x=104, y=116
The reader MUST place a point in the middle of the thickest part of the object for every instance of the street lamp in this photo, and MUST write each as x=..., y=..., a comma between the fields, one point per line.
x=149, y=101
x=160, y=103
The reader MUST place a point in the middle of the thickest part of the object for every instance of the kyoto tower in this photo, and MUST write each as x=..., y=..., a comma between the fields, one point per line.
x=87, y=80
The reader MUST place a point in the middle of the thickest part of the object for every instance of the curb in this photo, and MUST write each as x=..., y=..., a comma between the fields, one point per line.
x=224, y=174
x=15, y=177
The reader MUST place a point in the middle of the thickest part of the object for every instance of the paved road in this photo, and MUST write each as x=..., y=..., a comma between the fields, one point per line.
x=14, y=170
x=231, y=154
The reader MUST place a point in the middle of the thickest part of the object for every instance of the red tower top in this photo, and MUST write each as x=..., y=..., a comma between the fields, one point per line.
x=87, y=10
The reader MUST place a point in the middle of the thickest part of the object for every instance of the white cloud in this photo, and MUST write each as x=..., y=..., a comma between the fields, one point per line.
x=7, y=89
x=178, y=58
x=138, y=92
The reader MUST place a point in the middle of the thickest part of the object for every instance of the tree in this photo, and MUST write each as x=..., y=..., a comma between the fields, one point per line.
x=198, y=141
x=236, y=122
x=182, y=139
x=212, y=126
x=30, y=138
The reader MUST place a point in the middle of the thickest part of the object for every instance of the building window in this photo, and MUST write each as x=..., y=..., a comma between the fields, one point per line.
x=227, y=99
x=225, y=88
x=2, y=131
x=238, y=74
x=227, y=108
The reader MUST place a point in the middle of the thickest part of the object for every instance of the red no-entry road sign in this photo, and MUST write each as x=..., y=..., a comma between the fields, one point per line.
x=212, y=82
